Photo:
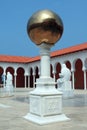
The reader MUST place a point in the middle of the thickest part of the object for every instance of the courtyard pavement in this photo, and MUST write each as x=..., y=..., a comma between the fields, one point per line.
x=14, y=108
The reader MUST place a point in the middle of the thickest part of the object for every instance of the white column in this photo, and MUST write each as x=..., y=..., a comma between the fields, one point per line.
x=84, y=70
x=39, y=72
x=33, y=79
x=25, y=82
x=15, y=74
x=4, y=79
x=4, y=75
x=28, y=81
x=45, y=60
x=73, y=79
x=85, y=80
x=54, y=75
x=15, y=80
x=45, y=100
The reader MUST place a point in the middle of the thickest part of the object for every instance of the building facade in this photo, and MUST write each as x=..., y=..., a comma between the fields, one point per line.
x=25, y=70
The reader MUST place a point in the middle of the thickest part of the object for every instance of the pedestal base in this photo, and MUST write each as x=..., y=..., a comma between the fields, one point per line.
x=45, y=107
x=46, y=120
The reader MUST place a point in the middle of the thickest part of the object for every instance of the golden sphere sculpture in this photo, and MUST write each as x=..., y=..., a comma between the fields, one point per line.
x=45, y=26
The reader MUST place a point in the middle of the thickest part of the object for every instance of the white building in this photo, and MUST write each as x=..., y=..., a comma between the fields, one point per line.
x=25, y=70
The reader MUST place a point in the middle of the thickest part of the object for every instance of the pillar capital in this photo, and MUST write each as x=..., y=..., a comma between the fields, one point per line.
x=33, y=73
x=45, y=49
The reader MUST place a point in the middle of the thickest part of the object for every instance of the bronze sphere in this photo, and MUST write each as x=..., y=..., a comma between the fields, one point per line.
x=45, y=26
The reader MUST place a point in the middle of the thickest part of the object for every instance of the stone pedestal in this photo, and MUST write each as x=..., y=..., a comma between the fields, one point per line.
x=45, y=109
x=45, y=104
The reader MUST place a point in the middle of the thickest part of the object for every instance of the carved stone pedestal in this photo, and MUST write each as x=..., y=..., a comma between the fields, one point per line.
x=45, y=103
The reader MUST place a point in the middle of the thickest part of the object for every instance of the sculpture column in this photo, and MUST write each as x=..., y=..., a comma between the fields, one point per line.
x=45, y=60
x=45, y=28
x=45, y=99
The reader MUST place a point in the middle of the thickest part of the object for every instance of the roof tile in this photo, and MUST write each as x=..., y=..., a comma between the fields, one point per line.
x=22, y=59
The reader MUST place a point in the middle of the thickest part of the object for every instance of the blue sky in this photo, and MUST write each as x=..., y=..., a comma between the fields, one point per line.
x=14, y=15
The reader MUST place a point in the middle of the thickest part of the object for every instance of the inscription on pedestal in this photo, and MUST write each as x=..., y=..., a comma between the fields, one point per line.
x=45, y=105
x=53, y=105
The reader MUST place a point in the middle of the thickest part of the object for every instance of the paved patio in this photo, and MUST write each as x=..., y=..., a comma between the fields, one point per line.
x=12, y=110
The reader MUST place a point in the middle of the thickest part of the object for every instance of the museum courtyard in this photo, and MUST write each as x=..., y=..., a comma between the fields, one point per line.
x=14, y=108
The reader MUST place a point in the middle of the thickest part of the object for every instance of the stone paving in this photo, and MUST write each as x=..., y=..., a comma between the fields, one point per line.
x=13, y=108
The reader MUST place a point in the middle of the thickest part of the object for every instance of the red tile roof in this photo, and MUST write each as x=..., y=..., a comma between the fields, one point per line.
x=13, y=59
x=69, y=50
x=64, y=51
x=21, y=59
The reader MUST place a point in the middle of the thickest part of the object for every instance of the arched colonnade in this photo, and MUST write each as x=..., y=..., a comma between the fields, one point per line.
x=25, y=74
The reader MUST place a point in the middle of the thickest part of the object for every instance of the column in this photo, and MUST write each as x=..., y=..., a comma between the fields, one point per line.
x=4, y=83
x=33, y=79
x=28, y=81
x=45, y=100
x=15, y=74
x=25, y=81
x=15, y=80
x=54, y=75
x=39, y=72
x=84, y=70
x=4, y=78
x=45, y=60
x=73, y=78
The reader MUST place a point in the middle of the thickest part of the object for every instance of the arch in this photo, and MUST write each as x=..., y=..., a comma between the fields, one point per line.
x=79, y=75
x=10, y=69
x=20, y=77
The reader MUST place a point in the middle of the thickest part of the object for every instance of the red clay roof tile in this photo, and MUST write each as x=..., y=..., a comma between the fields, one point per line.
x=21, y=59
x=13, y=59
x=69, y=50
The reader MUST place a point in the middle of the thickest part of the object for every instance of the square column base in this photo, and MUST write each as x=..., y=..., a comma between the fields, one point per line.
x=46, y=120
x=46, y=107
